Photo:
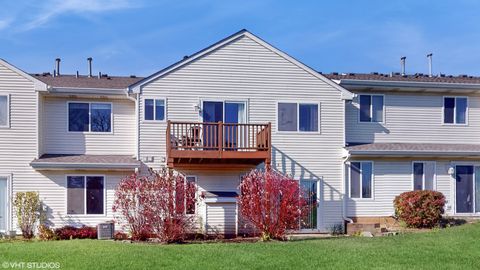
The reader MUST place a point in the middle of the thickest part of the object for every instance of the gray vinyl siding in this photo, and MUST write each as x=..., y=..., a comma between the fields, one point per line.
x=414, y=118
x=391, y=178
x=245, y=70
x=57, y=139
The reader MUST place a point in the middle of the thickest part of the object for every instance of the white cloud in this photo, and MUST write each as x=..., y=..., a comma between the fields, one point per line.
x=52, y=8
x=4, y=23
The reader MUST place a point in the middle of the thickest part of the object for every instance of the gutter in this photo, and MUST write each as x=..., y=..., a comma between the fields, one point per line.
x=401, y=84
x=137, y=121
x=411, y=153
x=344, y=187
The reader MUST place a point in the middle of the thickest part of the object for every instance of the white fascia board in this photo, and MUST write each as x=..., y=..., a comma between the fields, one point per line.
x=39, y=85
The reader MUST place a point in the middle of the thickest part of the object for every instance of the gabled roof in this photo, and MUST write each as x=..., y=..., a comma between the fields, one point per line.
x=137, y=86
x=39, y=85
x=85, y=82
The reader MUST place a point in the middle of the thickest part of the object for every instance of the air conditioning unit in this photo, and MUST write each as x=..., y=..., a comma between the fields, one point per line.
x=105, y=231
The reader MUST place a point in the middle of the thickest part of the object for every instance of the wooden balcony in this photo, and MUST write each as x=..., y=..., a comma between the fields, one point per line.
x=227, y=145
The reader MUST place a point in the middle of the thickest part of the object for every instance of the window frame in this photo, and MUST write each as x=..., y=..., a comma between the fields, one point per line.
x=85, y=195
x=155, y=111
x=424, y=162
x=467, y=111
x=361, y=180
x=8, y=111
x=90, y=117
x=298, y=131
x=371, y=109
x=202, y=100
x=196, y=195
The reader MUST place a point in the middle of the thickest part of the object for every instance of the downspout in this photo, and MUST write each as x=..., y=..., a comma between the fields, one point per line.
x=344, y=172
x=137, y=124
x=344, y=187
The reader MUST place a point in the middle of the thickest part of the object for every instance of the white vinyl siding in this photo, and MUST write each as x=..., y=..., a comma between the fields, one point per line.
x=245, y=70
x=221, y=218
x=393, y=178
x=58, y=140
x=18, y=143
x=413, y=118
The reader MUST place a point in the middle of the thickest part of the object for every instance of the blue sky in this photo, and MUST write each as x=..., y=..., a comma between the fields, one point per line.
x=140, y=37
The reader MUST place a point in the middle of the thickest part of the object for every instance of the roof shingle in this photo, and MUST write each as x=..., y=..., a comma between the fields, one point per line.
x=395, y=77
x=71, y=81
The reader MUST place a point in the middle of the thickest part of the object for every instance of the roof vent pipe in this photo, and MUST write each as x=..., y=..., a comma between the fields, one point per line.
x=402, y=63
x=99, y=75
x=57, y=66
x=89, y=67
x=430, y=68
x=76, y=76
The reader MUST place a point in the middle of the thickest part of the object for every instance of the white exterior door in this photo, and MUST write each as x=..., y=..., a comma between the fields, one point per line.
x=221, y=219
x=3, y=203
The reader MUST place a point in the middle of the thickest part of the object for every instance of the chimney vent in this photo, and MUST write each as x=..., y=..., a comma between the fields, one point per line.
x=430, y=68
x=76, y=76
x=402, y=64
x=57, y=66
x=89, y=67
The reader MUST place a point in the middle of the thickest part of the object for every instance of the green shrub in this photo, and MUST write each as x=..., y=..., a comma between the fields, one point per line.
x=420, y=209
x=27, y=206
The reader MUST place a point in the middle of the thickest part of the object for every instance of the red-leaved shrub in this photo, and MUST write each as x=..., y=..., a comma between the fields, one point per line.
x=272, y=203
x=420, y=209
x=154, y=206
x=70, y=232
x=120, y=236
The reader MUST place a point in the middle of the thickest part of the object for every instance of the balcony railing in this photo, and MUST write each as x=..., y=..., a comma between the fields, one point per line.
x=218, y=140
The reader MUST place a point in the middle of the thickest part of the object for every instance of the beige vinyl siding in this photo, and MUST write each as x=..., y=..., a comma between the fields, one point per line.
x=57, y=139
x=221, y=218
x=53, y=192
x=391, y=178
x=414, y=118
x=245, y=70
x=18, y=143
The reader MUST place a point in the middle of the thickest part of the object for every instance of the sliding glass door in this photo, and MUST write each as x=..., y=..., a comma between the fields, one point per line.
x=467, y=189
x=309, y=188
x=228, y=112
x=3, y=204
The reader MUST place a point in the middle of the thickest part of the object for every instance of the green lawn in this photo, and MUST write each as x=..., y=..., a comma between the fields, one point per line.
x=453, y=248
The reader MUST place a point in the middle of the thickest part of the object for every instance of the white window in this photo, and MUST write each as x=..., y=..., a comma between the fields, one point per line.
x=154, y=109
x=4, y=111
x=371, y=108
x=89, y=117
x=85, y=195
x=361, y=179
x=423, y=175
x=455, y=110
x=185, y=194
x=303, y=117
